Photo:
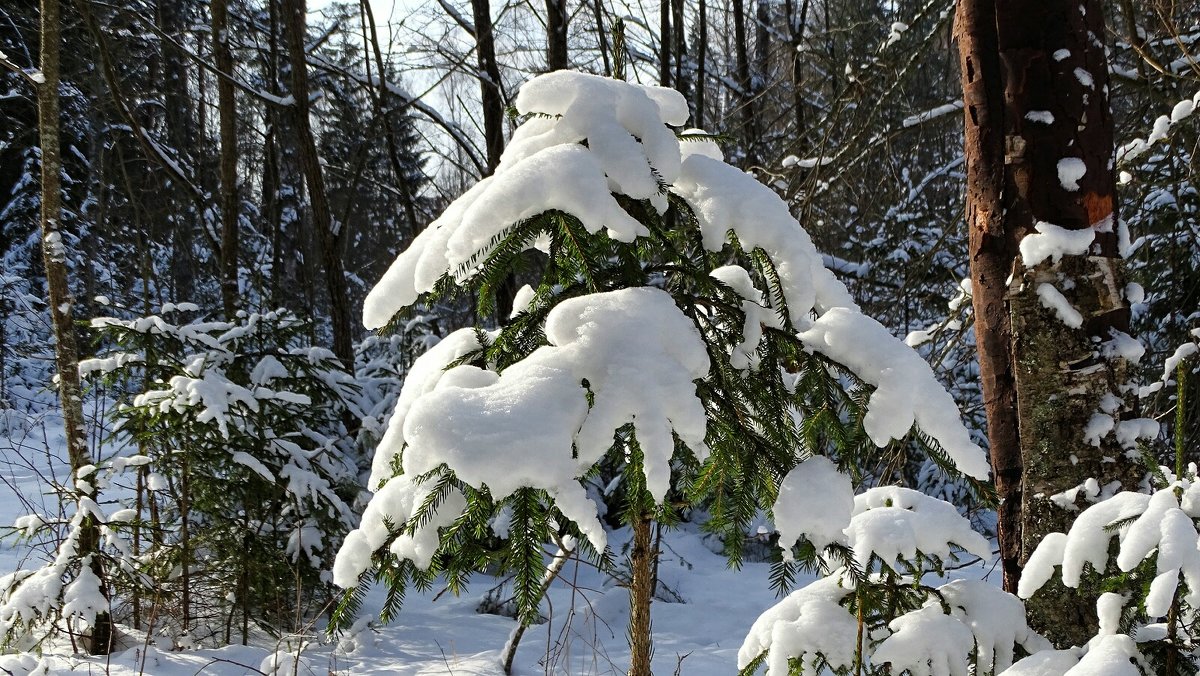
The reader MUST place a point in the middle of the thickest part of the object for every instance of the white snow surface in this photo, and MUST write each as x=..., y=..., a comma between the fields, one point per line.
x=758, y=315
x=997, y=620
x=906, y=389
x=1070, y=171
x=926, y=642
x=1053, y=242
x=894, y=523
x=1052, y=299
x=816, y=501
x=531, y=426
x=808, y=621
x=1087, y=542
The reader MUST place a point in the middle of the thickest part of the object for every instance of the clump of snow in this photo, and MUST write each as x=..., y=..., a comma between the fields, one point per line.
x=629, y=149
x=726, y=199
x=895, y=523
x=926, y=642
x=906, y=389
x=1045, y=663
x=522, y=300
x=1087, y=542
x=997, y=620
x=809, y=624
x=758, y=315
x=1042, y=116
x=1053, y=242
x=531, y=426
x=1052, y=299
x=816, y=501
x=1070, y=171
x=422, y=377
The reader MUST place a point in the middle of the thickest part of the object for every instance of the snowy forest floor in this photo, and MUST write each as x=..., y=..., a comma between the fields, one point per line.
x=700, y=617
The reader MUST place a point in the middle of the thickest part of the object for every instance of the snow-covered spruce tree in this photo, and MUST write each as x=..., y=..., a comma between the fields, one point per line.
x=682, y=327
x=243, y=483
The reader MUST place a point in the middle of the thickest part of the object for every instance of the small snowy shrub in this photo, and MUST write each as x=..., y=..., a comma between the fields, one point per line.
x=243, y=480
x=875, y=613
x=682, y=330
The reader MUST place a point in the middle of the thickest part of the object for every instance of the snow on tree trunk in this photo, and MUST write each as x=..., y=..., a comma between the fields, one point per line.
x=1059, y=200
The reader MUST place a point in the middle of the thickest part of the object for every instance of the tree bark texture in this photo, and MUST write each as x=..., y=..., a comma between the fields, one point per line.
x=701, y=60
x=295, y=22
x=489, y=83
x=664, y=43
x=227, y=112
x=1053, y=73
x=992, y=250
x=641, y=591
x=797, y=26
x=62, y=316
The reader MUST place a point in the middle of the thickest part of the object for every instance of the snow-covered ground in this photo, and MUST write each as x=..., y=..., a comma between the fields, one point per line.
x=698, y=631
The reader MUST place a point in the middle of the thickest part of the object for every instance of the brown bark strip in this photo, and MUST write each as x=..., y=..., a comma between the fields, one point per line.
x=641, y=591
x=992, y=251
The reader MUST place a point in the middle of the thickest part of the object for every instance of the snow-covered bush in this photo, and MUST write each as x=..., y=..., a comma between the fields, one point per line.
x=234, y=472
x=683, y=329
x=876, y=612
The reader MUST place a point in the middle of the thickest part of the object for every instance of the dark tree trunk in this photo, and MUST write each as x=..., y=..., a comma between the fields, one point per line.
x=641, y=592
x=745, y=86
x=678, y=33
x=602, y=36
x=797, y=25
x=664, y=43
x=556, y=35
x=227, y=111
x=701, y=60
x=295, y=23
x=489, y=83
x=1047, y=58
x=1053, y=61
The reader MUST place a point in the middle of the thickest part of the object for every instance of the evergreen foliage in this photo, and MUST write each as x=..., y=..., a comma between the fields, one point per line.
x=769, y=399
x=243, y=470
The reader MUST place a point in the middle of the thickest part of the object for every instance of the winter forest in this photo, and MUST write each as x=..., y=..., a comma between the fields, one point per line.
x=704, y=337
